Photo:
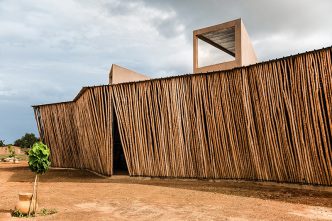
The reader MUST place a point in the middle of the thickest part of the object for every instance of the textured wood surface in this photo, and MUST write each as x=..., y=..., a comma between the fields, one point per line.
x=270, y=121
x=79, y=133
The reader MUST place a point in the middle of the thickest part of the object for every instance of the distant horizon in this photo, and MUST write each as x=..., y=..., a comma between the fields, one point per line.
x=51, y=49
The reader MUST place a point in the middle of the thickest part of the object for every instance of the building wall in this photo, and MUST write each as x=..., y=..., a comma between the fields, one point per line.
x=244, y=51
x=79, y=134
x=248, y=54
x=120, y=74
x=270, y=121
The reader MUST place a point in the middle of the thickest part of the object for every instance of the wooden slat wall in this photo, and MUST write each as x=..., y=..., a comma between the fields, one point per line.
x=94, y=128
x=79, y=134
x=59, y=132
x=270, y=121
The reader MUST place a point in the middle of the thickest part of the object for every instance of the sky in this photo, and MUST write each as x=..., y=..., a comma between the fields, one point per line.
x=49, y=49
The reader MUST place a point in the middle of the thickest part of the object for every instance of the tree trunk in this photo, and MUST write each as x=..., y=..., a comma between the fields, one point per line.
x=33, y=202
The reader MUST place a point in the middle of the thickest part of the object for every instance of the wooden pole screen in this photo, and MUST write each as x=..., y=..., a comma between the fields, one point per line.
x=79, y=133
x=270, y=121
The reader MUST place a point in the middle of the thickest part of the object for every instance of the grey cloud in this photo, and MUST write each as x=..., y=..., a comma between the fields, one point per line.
x=300, y=20
x=119, y=7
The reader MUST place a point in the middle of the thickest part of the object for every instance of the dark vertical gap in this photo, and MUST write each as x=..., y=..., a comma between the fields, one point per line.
x=40, y=123
x=119, y=160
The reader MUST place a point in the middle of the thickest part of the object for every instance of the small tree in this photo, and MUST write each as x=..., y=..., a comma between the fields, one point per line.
x=26, y=141
x=12, y=152
x=2, y=143
x=39, y=163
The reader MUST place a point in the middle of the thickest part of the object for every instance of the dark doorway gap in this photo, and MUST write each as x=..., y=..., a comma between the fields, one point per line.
x=119, y=160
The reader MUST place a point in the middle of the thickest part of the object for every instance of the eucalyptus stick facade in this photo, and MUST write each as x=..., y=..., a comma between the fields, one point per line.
x=270, y=121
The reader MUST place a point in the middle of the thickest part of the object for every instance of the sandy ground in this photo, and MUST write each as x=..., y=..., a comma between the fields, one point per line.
x=81, y=195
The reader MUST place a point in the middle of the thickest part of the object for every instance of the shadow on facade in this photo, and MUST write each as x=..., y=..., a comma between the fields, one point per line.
x=119, y=160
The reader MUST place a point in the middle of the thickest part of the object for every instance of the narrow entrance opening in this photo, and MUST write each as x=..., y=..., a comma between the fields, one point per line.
x=119, y=160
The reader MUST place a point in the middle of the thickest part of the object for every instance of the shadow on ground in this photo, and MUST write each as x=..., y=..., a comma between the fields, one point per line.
x=292, y=193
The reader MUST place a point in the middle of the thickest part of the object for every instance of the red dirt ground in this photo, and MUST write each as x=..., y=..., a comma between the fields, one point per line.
x=81, y=195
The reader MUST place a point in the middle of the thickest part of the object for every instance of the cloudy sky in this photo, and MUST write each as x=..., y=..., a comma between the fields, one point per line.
x=49, y=49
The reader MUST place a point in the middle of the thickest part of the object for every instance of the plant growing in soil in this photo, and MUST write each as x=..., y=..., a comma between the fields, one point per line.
x=45, y=212
x=17, y=213
x=12, y=152
x=39, y=163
